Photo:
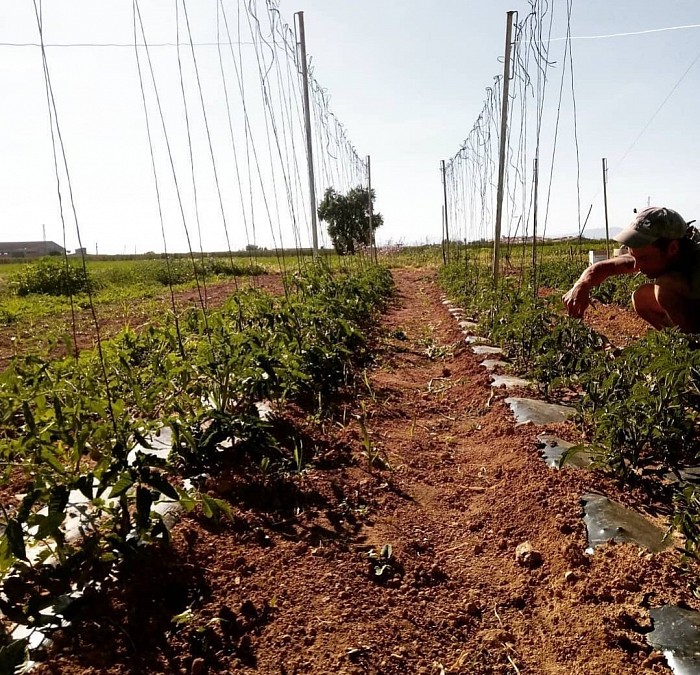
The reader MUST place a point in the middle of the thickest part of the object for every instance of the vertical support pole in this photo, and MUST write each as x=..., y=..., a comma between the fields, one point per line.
x=446, y=244
x=373, y=243
x=442, y=235
x=605, y=202
x=502, y=151
x=307, y=119
x=536, y=174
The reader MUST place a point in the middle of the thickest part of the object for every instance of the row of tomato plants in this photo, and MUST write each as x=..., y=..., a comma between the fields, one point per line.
x=73, y=425
x=638, y=407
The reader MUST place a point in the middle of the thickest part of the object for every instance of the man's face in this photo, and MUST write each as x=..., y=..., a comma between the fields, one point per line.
x=651, y=260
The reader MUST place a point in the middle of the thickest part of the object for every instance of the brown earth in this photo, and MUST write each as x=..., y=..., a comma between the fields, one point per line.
x=288, y=588
x=621, y=326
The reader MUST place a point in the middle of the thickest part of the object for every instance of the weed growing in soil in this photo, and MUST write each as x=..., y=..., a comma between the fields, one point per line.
x=382, y=564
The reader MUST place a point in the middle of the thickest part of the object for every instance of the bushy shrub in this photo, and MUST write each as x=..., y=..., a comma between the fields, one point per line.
x=166, y=272
x=50, y=276
x=182, y=270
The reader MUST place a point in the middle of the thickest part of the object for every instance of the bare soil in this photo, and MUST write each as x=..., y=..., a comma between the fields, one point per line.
x=288, y=587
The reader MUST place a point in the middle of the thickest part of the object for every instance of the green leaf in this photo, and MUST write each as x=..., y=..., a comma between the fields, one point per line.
x=25, y=507
x=28, y=417
x=144, y=501
x=125, y=481
x=15, y=539
x=186, y=500
x=86, y=485
x=13, y=655
x=47, y=456
x=58, y=499
x=183, y=618
x=158, y=481
x=48, y=526
x=224, y=507
x=208, y=506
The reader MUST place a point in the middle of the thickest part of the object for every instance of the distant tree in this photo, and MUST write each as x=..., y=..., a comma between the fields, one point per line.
x=347, y=217
x=252, y=247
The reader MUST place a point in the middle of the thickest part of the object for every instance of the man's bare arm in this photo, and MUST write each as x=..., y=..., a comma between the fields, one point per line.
x=577, y=300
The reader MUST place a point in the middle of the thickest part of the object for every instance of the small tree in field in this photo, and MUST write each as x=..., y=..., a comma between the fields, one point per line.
x=347, y=217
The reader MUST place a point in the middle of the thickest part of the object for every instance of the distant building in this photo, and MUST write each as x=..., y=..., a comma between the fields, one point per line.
x=80, y=251
x=29, y=249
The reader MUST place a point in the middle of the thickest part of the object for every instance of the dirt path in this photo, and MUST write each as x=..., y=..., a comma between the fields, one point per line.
x=289, y=589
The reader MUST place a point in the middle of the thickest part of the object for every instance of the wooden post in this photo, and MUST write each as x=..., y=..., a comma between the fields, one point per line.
x=309, y=142
x=502, y=152
x=605, y=201
x=371, y=209
x=447, y=229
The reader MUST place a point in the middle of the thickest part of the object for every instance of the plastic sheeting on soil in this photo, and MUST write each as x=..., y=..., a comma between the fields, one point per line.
x=481, y=350
x=552, y=450
x=538, y=412
x=509, y=381
x=677, y=634
x=606, y=520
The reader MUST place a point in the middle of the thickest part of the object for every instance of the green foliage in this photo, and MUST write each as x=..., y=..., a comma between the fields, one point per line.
x=642, y=405
x=73, y=426
x=569, y=350
x=51, y=276
x=617, y=290
x=348, y=218
x=382, y=564
x=687, y=515
x=520, y=328
x=560, y=273
x=639, y=407
x=183, y=270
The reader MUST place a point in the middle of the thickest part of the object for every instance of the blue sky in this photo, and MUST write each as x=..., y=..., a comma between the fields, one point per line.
x=407, y=81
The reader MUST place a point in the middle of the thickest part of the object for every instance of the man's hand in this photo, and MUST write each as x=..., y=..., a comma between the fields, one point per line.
x=576, y=301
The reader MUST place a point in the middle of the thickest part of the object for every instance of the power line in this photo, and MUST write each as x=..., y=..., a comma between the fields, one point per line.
x=637, y=32
x=658, y=110
x=219, y=44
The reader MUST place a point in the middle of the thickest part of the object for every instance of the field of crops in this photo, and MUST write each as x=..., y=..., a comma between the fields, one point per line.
x=638, y=405
x=81, y=427
x=277, y=423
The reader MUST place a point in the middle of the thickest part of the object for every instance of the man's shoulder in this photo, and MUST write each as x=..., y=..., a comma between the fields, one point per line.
x=686, y=274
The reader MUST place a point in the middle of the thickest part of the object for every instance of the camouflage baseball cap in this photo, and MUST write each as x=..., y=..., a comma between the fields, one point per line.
x=653, y=223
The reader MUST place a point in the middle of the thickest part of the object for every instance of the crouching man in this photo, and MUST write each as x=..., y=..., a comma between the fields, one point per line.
x=661, y=247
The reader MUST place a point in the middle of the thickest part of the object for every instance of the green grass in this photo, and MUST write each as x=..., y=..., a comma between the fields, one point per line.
x=127, y=289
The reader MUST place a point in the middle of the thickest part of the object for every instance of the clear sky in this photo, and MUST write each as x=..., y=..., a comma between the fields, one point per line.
x=407, y=80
